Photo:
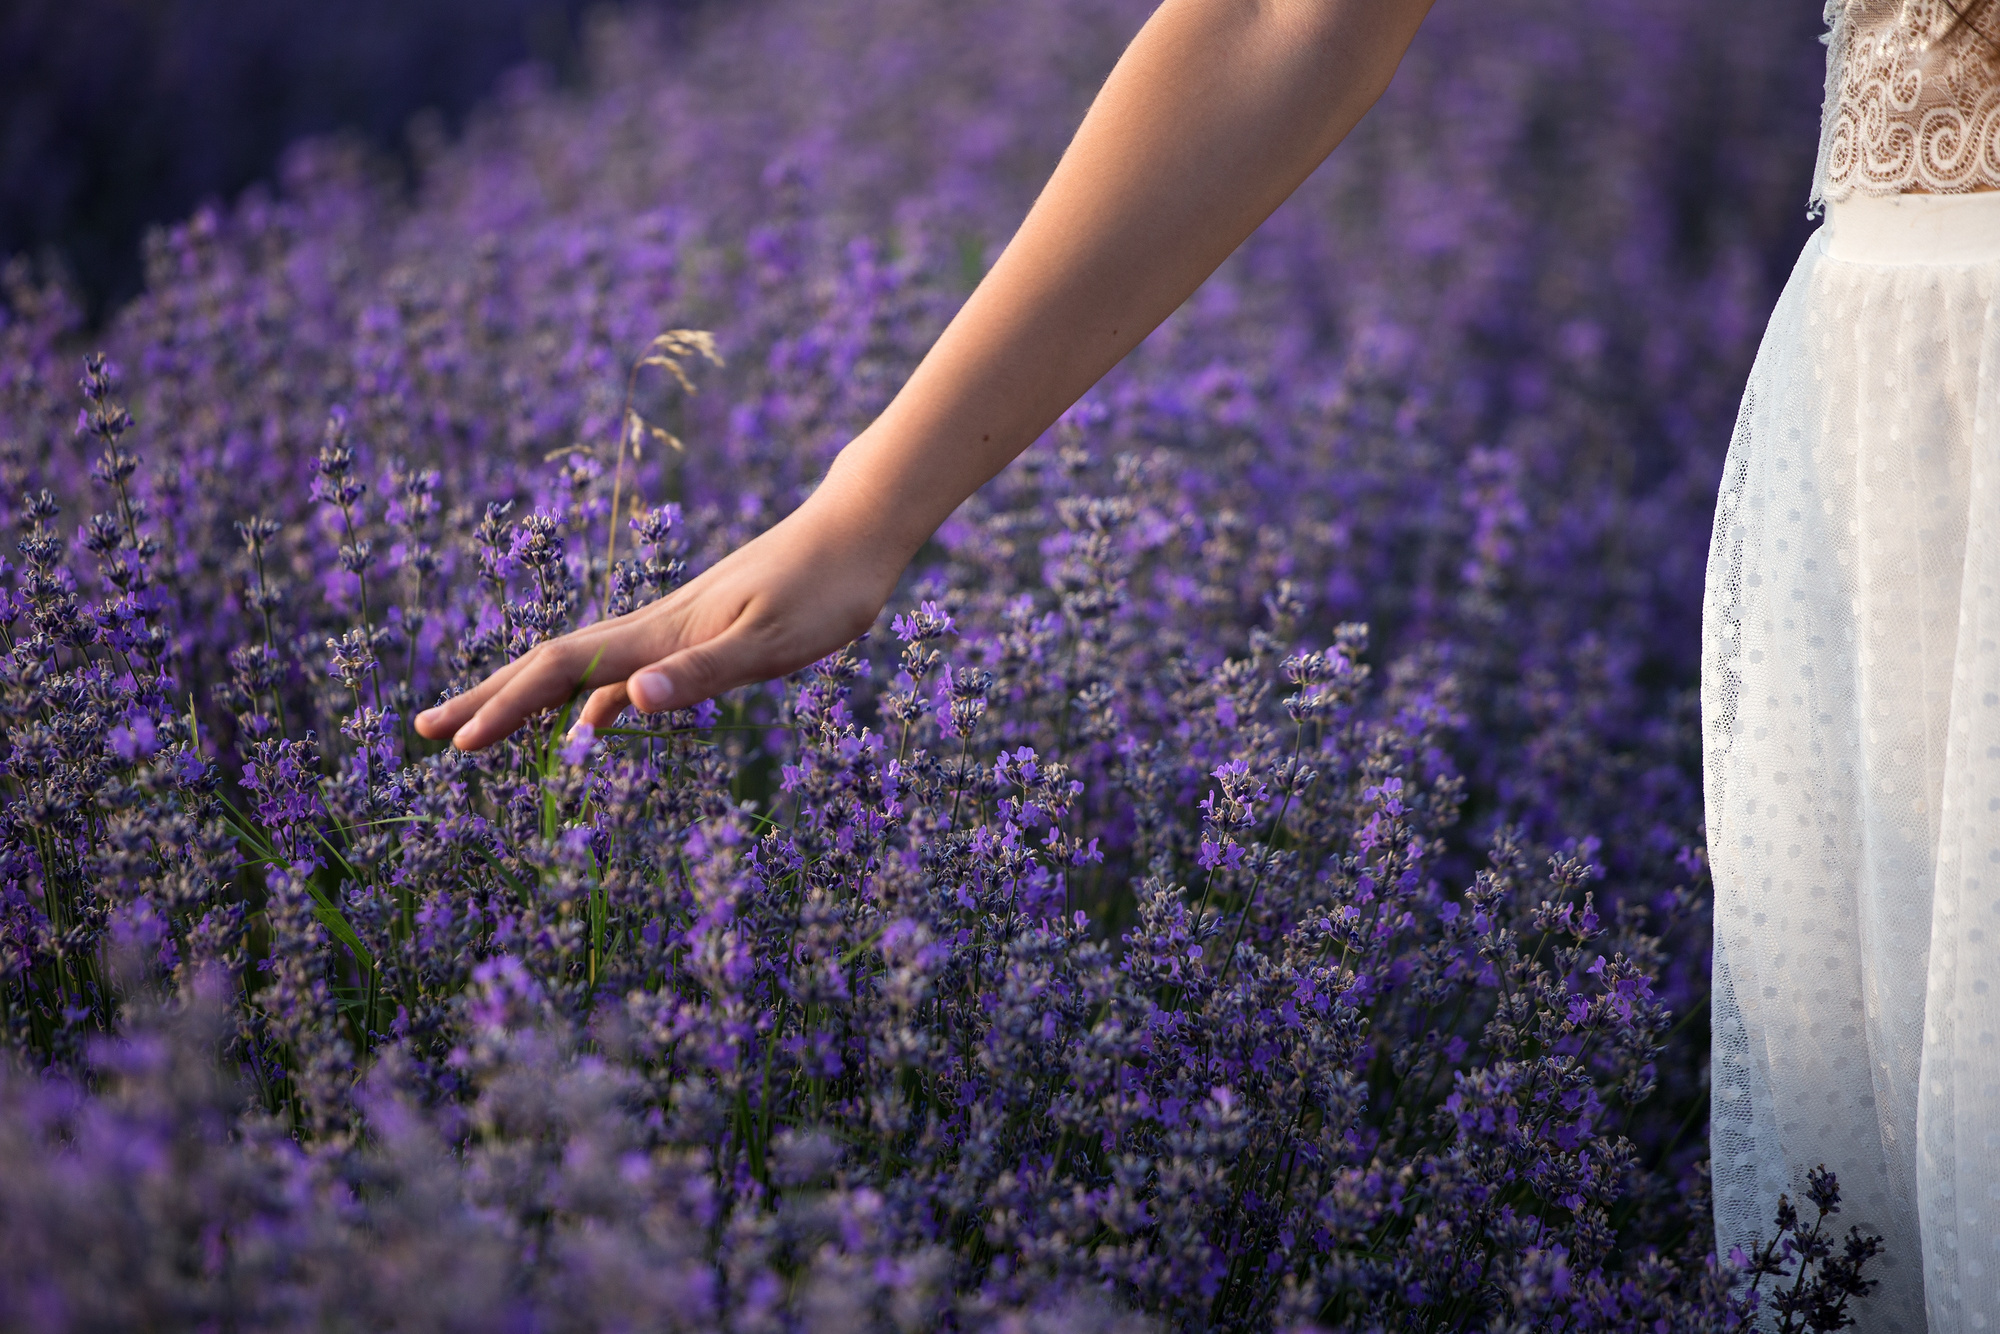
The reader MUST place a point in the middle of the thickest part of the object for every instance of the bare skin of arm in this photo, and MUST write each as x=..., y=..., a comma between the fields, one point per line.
x=1212, y=117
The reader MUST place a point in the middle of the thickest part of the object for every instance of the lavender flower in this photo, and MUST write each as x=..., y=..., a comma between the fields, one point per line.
x=1252, y=880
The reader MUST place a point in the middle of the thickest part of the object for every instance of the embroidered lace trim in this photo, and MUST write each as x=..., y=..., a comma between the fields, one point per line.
x=1911, y=103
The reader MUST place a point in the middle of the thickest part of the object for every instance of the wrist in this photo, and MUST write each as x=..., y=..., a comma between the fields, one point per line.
x=874, y=502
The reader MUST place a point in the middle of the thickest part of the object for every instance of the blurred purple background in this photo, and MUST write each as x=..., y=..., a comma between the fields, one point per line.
x=116, y=115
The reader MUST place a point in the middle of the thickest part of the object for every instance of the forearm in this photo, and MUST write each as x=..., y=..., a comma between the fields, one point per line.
x=1217, y=111
x=1213, y=116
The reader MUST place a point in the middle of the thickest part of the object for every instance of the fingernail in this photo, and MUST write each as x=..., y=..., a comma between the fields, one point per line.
x=426, y=716
x=650, y=691
x=462, y=736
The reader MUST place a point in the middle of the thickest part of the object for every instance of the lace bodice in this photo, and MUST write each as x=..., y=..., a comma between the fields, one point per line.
x=1912, y=100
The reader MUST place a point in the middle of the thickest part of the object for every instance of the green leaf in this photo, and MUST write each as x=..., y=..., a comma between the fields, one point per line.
x=341, y=929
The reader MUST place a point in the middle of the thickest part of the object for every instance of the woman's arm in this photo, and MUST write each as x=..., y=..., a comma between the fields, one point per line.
x=1212, y=117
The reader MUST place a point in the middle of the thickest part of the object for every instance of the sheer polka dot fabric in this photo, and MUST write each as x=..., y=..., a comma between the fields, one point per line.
x=1851, y=717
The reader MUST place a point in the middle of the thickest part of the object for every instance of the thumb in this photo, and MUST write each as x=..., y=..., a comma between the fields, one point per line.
x=702, y=671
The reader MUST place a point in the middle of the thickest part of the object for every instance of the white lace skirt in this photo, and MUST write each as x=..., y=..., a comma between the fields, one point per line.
x=1851, y=737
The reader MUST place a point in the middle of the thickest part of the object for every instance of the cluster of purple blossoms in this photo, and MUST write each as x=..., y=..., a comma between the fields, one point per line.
x=1252, y=880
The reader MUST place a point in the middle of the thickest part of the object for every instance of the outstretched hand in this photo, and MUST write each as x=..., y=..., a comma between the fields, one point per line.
x=808, y=586
x=1212, y=117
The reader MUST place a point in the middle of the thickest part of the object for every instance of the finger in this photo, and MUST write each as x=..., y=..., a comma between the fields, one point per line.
x=604, y=705
x=448, y=717
x=737, y=656
x=550, y=676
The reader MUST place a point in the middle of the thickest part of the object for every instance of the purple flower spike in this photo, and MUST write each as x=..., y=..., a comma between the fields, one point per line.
x=1250, y=880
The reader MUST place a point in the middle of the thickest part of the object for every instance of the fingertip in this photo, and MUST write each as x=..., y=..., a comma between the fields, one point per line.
x=603, y=706
x=650, y=690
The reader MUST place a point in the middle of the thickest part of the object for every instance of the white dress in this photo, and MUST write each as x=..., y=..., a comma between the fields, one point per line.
x=1851, y=690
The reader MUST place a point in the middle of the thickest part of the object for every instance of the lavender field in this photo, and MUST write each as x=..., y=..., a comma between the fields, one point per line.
x=1252, y=877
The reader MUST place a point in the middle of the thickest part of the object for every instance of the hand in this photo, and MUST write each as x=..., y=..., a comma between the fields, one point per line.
x=806, y=587
x=1214, y=114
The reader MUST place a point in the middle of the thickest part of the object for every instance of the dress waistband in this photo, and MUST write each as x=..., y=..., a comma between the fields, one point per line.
x=1914, y=229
